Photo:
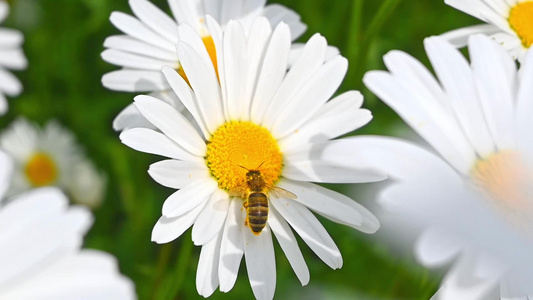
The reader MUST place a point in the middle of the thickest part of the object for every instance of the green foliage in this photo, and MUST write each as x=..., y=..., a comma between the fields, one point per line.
x=63, y=44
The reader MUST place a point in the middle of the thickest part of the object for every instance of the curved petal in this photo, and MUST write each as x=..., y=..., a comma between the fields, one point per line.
x=332, y=205
x=184, y=200
x=5, y=173
x=231, y=247
x=459, y=37
x=128, y=44
x=135, y=81
x=168, y=229
x=289, y=245
x=207, y=273
x=154, y=18
x=130, y=117
x=134, y=61
x=172, y=123
x=9, y=84
x=236, y=64
x=135, y=28
x=212, y=218
x=151, y=141
x=177, y=173
x=260, y=263
x=311, y=231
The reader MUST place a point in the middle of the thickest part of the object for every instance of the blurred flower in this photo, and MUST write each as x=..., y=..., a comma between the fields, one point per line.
x=40, y=255
x=11, y=57
x=51, y=157
x=510, y=22
x=256, y=117
x=150, y=41
x=474, y=201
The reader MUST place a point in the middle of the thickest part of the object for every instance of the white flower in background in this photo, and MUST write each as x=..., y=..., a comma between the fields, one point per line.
x=256, y=117
x=510, y=22
x=51, y=157
x=40, y=255
x=150, y=38
x=11, y=57
x=474, y=200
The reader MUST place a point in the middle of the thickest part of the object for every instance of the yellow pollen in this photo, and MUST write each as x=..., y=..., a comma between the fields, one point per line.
x=237, y=146
x=41, y=170
x=505, y=178
x=210, y=46
x=521, y=21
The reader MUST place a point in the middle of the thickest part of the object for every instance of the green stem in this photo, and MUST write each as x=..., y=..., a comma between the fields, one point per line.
x=384, y=11
x=182, y=264
x=162, y=263
x=354, y=34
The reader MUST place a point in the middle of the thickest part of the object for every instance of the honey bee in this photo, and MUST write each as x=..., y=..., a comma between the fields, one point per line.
x=254, y=193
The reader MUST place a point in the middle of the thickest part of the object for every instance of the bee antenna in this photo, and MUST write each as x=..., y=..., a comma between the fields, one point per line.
x=244, y=167
x=260, y=165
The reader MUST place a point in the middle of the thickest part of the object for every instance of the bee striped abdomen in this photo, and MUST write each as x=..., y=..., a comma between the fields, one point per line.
x=257, y=212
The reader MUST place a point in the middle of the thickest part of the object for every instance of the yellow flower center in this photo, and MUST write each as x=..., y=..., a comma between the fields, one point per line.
x=521, y=21
x=237, y=146
x=41, y=170
x=505, y=178
x=210, y=46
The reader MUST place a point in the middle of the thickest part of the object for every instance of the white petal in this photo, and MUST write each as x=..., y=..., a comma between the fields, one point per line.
x=307, y=64
x=5, y=173
x=278, y=13
x=204, y=82
x=152, y=16
x=436, y=248
x=216, y=33
x=289, y=244
x=134, y=61
x=4, y=10
x=135, y=28
x=524, y=105
x=310, y=229
x=130, y=117
x=207, y=272
x=134, y=81
x=150, y=141
x=336, y=161
x=9, y=84
x=12, y=58
x=235, y=63
x=85, y=276
x=177, y=173
x=168, y=229
x=319, y=89
x=459, y=37
x=272, y=72
x=332, y=205
x=211, y=220
x=337, y=117
x=230, y=10
x=260, y=263
x=192, y=195
x=172, y=123
x=128, y=44
x=184, y=93
x=495, y=73
x=3, y=104
x=188, y=12
x=448, y=141
x=231, y=248
x=11, y=38
x=458, y=81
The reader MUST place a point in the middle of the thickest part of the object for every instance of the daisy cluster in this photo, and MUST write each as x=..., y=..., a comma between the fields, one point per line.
x=250, y=126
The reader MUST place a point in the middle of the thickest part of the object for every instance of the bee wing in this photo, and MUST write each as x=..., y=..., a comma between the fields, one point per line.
x=239, y=191
x=278, y=192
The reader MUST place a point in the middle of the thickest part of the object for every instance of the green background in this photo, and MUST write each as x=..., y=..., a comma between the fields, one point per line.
x=63, y=42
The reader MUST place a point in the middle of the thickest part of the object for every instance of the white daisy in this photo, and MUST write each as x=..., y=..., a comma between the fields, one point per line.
x=51, y=157
x=40, y=240
x=510, y=22
x=256, y=117
x=11, y=57
x=474, y=201
x=150, y=41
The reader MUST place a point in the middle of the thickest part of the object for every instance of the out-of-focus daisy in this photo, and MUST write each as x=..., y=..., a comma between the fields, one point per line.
x=257, y=121
x=51, y=157
x=11, y=57
x=40, y=241
x=474, y=201
x=149, y=42
x=510, y=22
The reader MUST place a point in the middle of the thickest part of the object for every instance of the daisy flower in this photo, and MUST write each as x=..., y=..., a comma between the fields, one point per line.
x=474, y=199
x=149, y=42
x=51, y=157
x=510, y=22
x=257, y=131
x=40, y=240
x=11, y=57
